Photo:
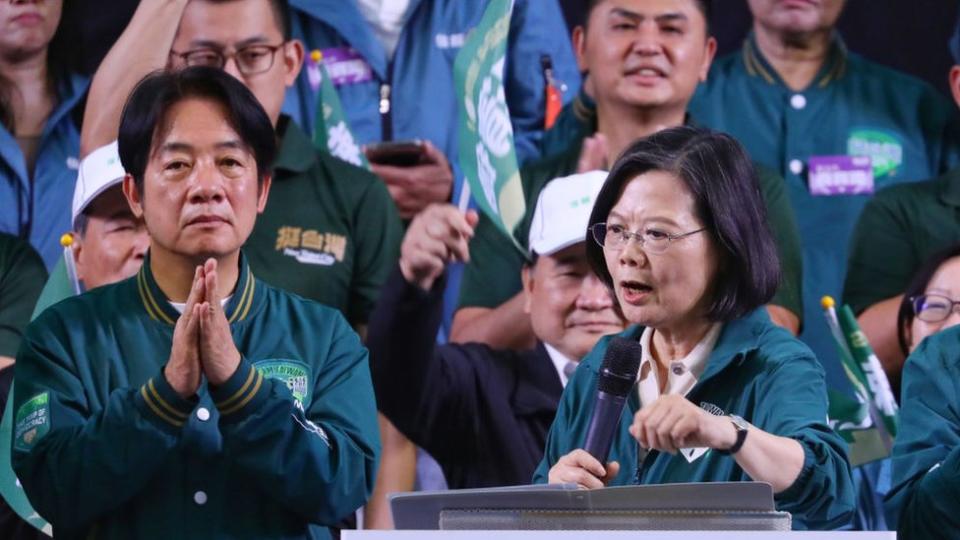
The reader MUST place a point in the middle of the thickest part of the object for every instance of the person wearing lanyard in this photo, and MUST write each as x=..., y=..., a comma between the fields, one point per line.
x=723, y=394
x=835, y=125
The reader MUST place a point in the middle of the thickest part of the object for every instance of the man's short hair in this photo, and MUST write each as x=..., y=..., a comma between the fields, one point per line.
x=146, y=109
x=705, y=6
x=281, y=12
x=726, y=191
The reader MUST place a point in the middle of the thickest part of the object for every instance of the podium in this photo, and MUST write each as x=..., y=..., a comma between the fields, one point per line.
x=713, y=506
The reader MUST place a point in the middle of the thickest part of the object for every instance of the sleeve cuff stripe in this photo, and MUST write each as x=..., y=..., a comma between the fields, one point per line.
x=157, y=410
x=164, y=404
x=256, y=387
x=239, y=393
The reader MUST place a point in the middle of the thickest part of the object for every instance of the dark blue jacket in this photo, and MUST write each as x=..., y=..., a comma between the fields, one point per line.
x=483, y=414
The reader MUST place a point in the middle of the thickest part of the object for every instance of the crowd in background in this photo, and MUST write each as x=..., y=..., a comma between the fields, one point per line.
x=836, y=175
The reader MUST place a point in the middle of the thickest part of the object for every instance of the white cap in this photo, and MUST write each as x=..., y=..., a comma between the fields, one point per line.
x=99, y=171
x=563, y=211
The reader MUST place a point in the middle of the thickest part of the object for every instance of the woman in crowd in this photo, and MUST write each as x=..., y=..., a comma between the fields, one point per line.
x=40, y=110
x=679, y=233
x=923, y=501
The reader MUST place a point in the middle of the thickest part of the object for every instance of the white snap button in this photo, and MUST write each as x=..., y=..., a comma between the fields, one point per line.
x=796, y=166
x=203, y=414
x=200, y=498
x=797, y=101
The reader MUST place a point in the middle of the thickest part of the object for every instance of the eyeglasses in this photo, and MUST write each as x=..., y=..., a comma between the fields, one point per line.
x=250, y=60
x=615, y=237
x=933, y=307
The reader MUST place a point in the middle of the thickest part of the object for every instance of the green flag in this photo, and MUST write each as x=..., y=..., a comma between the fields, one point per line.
x=487, y=156
x=331, y=130
x=874, y=378
x=854, y=418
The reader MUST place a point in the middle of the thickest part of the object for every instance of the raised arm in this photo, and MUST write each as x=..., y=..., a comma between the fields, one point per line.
x=142, y=48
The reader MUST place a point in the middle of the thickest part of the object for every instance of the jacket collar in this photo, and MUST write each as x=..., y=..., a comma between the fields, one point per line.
x=296, y=153
x=834, y=68
x=245, y=296
x=346, y=19
x=738, y=338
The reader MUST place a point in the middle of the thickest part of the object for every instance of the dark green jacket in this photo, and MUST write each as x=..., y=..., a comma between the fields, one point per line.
x=757, y=370
x=924, y=500
x=105, y=448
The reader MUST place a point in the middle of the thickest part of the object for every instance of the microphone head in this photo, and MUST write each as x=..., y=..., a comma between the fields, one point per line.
x=620, y=365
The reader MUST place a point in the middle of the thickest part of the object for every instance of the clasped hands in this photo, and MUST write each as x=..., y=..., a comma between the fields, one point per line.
x=668, y=424
x=202, y=342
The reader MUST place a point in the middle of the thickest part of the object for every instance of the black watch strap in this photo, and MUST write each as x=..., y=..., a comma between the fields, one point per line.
x=741, y=425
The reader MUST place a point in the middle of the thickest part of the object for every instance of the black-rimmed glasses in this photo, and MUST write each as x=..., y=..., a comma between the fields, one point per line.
x=933, y=307
x=250, y=60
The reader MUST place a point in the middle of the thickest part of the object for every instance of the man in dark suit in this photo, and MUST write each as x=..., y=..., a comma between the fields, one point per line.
x=484, y=413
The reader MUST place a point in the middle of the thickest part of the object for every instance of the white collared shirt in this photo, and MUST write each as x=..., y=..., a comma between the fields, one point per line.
x=560, y=361
x=180, y=306
x=387, y=18
x=682, y=375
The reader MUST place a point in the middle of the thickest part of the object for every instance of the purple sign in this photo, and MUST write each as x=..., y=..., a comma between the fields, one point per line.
x=346, y=66
x=840, y=175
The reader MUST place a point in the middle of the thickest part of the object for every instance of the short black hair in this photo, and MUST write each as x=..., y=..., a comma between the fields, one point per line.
x=917, y=286
x=723, y=182
x=281, y=12
x=705, y=6
x=146, y=109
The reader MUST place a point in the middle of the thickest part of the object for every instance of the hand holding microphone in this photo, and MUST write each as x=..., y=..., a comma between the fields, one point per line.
x=618, y=373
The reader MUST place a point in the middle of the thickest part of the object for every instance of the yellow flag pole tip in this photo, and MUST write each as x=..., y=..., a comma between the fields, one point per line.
x=66, y=240
x=827, y=302
x=316, y=55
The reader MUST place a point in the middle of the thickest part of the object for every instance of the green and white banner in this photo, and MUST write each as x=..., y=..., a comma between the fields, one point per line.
x=487, y=156
x=868, y=420
x=331, y=130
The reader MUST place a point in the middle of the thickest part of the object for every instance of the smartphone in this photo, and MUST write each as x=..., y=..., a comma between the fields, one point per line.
x=397, y=153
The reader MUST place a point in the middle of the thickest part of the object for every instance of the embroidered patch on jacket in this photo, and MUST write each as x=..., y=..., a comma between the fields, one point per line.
x=883, y=148
x=32, y=422
x=295, y=374
x=309, y=246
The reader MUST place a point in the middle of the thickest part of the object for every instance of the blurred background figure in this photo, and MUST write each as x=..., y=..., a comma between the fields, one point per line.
x=40, y=114
x=836, y=126
x=900, y=228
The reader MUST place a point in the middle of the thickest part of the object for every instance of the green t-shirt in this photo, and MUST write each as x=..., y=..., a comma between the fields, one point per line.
x=493, y=275
x=22, y=275
x=854, y=107
x=330, y=231
x=898, y=230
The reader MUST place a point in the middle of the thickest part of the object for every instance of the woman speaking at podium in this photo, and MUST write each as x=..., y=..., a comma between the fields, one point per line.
x=679, y=232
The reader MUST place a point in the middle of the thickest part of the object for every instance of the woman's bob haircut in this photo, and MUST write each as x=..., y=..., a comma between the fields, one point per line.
x=723, y=182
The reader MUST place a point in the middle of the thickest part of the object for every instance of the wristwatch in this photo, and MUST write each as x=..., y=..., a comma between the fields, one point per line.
x=741, y=425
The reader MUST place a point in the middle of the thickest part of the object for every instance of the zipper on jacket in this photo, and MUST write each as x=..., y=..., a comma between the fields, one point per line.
x=386, y=123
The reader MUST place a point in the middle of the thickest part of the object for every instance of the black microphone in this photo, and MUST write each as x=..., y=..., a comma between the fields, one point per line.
x=618, y=373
